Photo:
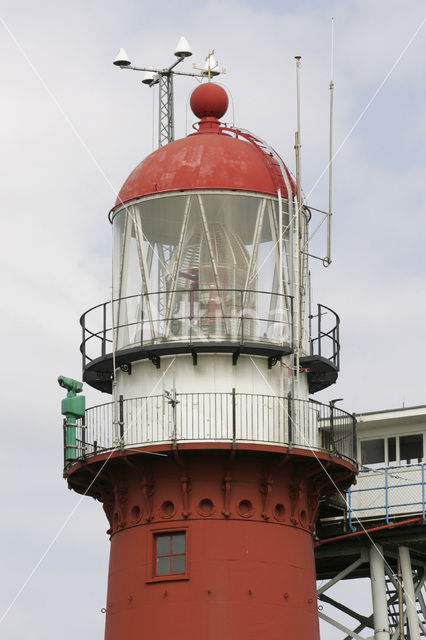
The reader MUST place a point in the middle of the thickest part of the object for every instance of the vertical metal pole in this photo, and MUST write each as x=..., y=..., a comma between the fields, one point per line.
x=400, y=602
x=387, y=495
x=378, y=592
x=330, y=163
x=351, y=526
x=298, y=230
x=83, y=343
x=290, y=401
x=311, y=344
x=83, y=436
x=104, y=330
x=280, y=256
x=170, y=108
x=242, y=316
x=121, y=418
x=410, y=597
x=65, y=441
x=332, y=447
x=319, y=329
x=234, y=416
x=354, y=440
x=423, y=492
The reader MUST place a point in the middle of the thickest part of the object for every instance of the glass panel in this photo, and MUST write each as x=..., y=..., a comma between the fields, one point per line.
x=178, y=543
x=163, y=566
x=178, y=564
x=163, y=545
x=411, y=448
x=392, y=449
x=208, y=267
x=373, y=451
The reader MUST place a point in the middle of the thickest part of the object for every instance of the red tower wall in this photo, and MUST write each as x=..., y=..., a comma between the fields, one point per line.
x=248, y=519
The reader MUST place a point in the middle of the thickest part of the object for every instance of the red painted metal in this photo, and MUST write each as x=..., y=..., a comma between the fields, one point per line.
x=215, y=157
x=382, y=527
x=249, y=517
x=209, y=100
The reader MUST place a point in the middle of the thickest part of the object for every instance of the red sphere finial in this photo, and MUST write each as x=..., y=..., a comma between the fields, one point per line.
x=209, y=101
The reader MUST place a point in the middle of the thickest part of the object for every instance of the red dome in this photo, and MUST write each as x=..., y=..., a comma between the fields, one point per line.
x=212, y=158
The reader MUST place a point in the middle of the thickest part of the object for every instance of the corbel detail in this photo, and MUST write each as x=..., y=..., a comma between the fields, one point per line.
x=185, y=487
x=266, y=490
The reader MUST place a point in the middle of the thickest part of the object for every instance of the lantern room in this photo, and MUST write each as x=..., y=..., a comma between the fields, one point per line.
x=207, y=238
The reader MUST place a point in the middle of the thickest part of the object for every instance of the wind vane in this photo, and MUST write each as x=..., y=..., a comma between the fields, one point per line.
x=211, y=68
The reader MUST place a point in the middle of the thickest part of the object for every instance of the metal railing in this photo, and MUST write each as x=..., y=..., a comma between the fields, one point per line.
x=189, y=316
x=213, y=417
x=198, y=315
x=387, y=493
x=325, y=327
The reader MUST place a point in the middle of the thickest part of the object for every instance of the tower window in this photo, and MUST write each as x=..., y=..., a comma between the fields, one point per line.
x=170, y=553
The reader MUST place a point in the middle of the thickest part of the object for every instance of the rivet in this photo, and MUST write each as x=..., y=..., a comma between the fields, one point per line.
x=165, y=594
x=250, y=592
x=310, y=600
x=208, y=591
x=286, y=596
x=130, y=598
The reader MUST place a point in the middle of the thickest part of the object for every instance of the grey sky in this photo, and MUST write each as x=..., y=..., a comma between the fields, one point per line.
x=55, y=241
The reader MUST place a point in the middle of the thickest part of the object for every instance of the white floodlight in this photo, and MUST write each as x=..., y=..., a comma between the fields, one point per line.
x=211, y=67
x=121, y=59
x=150, y=78
x=183, y=50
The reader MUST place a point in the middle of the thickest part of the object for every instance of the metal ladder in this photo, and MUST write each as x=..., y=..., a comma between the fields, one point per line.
x=393, y=608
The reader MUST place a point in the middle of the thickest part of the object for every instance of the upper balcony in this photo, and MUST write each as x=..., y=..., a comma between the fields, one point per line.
x=148, y=326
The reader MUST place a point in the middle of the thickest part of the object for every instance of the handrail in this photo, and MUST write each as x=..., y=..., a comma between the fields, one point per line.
x=191, y=317
x=325, y=336
x=193, y=323
x=229, y=417
x=387, y=493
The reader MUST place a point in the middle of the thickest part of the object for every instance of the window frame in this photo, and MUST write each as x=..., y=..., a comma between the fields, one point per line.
x=152, y=554
x=387, y=462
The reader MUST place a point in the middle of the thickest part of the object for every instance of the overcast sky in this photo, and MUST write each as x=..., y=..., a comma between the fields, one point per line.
x=72, y=128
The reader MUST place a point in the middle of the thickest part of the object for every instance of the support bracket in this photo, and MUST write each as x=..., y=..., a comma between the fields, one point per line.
x=126, y=367
x=155, y=360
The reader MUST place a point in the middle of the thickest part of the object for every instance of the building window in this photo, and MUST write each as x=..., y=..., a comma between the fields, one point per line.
x=373, y=451
x=411, y=449
x=399, y=450
x=170, y=553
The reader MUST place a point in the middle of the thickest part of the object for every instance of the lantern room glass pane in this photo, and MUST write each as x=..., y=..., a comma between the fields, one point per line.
x=200, y=267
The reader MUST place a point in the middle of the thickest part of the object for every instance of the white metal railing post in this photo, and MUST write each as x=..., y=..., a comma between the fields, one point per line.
x=378, y=592
x=410, y=597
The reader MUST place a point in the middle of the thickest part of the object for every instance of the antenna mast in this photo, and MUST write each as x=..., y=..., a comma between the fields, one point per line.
x=297, y=233
x=330, y=163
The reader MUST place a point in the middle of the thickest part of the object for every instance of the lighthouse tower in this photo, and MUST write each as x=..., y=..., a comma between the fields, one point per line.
x=211, y=460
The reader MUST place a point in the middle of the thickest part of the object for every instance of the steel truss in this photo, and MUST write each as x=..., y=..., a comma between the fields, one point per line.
x=166, y=128
x=398, y=596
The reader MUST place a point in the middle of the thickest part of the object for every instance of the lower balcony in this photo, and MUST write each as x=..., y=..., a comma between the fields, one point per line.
x=174, y=419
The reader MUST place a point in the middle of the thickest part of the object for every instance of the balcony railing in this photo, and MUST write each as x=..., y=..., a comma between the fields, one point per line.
x=324, y=332
x=388, y=494
x=188, y=316
x=215, y=417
